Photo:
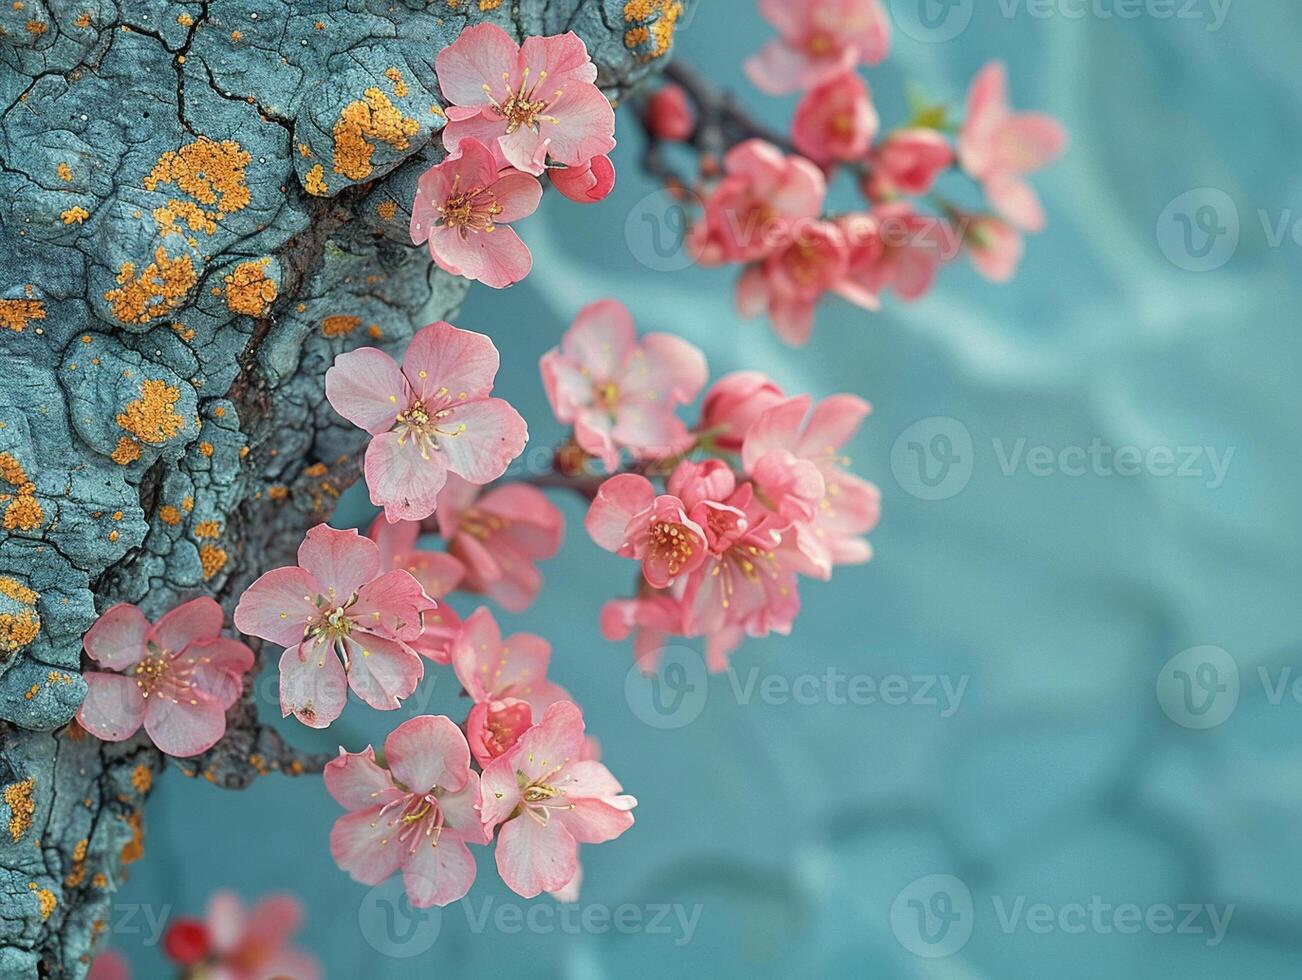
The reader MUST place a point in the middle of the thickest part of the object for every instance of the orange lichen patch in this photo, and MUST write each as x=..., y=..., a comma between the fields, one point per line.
x=22, y=808
x=187, y=504
x=134, y=849
x=37, y=27
x=212, y=559
x=83, y=19
x=184, y=19
x=126, y=452
x=100, y=880
x=77, y=875
x=278, y=492
x=208, y=529
x=236, y=36
x=152, y=417
x=142, y=778
x=399, y=83
x=651, y=23
x=169, y=515
x=17, y=591
x=44, y=899
x=74, y=215
x=210, y=172
x=159, y=288
x=340, y=326
x=23, y=512
x=316, y=469
x=386, y=210
x=315, y=182
x=206, y=449
x=65, y=173
x=249, y=290
x=372, y=117
x=195, y=218
x=304, y=150
x=17, y=313
x=17, y=631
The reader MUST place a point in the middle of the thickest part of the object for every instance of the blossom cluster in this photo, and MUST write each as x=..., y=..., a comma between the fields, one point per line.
x=765, y=500
x=514, y=112
x=767, y=207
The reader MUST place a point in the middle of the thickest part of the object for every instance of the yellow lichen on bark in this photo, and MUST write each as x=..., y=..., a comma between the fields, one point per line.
x=372, y=117
x=651, y=23
x=210, y=172
x=152, y=418
x=74, y=215
x=212, y=560
x=126, y=452
x=340, y=326
x=315, y=182
x=22, y=511
x=159, y=288
x=17, y=313
x=18, y=797
x=249, y=290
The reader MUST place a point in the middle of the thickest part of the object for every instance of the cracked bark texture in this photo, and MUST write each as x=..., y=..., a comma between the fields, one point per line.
x=201, y=205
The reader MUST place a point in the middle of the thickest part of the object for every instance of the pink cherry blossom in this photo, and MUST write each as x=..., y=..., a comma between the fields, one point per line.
x=506, y=680
x=586, y=184
x=906, y=254
x=343, y=623
x=499, y=538
x=818, y=38
x=788, y=284
x=994, y=247
x=733, y=403
x=830, y=533
x=835, y=120
x=253, y=943
x=437, y=572
x=997, y=146
x=109, y=964
x=619, y=392
x=527, y=102
x=752, y=210
x=908, y=161
x=548, y=799
x=627, y=517
x=462, y=209
x=649, y=619
x=668, y=115
x=432, y=417
x=176, y=677
x=417, y=815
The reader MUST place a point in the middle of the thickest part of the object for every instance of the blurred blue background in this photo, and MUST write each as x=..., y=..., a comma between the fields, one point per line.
x=1080, y=766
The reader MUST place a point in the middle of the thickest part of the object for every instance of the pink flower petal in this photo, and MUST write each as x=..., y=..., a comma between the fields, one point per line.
x=217, y=667
x=366, y=387
x=618, y=501
x=357, y=782
x=584, y=128
x=382, y=671
x=461, y=810
x=313, y=686
x=601, y=338
x=563, y=57
x=832, y=424
x=665, y=368
x=278, y=605
x=360, y=844
x=402, y=481
x=438, y=872
x=114, y=708
x=341, y=561
x=532, y=858
x=198, y=619
x=497, y=259
x=428, y=751
x=185, y=728
x=517, y=195
x=477, y=58
x=477, y=126
x=558, y=737
x=460, y=363
x=499, y=790
x=391, y=605
x=489, y=434
x=117, y=639
x=777, y=428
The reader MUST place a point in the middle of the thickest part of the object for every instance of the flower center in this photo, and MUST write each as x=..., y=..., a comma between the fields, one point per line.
x=420, y=424
x=158, y=675
x=481, y=525
x=333, y=624
x=419, y=819
x=522, y=107
x=672, y=544
x=820, y=44
x=468, y=211
x=151, y=672
x=608, y=395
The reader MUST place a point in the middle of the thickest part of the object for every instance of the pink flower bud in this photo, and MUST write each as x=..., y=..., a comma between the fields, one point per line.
x=668, y=114
x=587, y=184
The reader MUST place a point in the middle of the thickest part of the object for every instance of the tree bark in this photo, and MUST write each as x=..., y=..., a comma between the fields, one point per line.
x=201, y=205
